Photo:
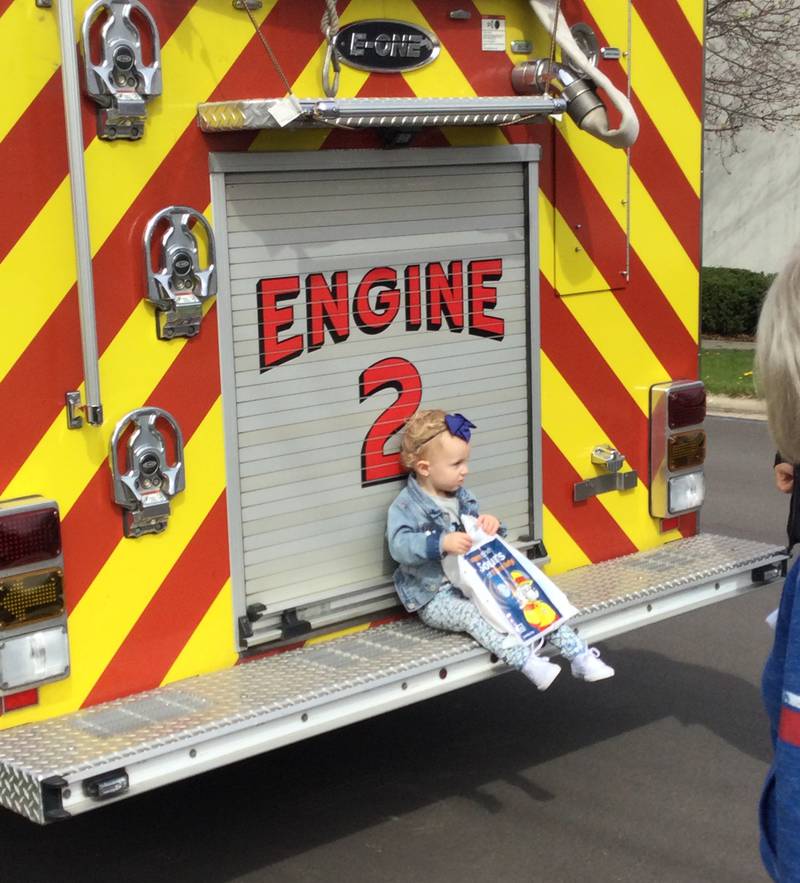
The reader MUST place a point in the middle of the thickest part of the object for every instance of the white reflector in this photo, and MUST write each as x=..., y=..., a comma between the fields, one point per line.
x=33, y=658
x=686, y=492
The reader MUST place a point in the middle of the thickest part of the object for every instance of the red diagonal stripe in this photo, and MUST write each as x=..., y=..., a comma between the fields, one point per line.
x=172, y=615
x=679, y=45
x=33, y=165
x=579, y=362
x=4, y=4
x=588, y=523
x=643, y=300
x=656, y=165
x=93, y=526
x=51, y=364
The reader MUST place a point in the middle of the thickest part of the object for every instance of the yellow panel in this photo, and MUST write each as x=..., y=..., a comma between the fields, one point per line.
x=29, y=56
x=657, y=89
x=651, y=236
x=332, y=636
x=130, y=368
x=114, y=602
x=565, y=553
x=211, y=646
x=116, y=172
x=575, y=270
x=575, y=432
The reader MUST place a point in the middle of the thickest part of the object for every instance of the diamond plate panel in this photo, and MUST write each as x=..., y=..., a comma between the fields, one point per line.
x=669, y=568
x=142, y=726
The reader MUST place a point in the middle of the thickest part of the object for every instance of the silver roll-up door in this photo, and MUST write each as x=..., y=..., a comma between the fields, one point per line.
x=357, y=286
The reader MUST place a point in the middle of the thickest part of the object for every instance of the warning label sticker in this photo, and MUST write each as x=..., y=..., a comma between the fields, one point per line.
x=493, y=34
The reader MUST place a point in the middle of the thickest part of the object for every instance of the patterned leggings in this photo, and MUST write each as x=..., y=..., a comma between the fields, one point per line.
x=450, y=611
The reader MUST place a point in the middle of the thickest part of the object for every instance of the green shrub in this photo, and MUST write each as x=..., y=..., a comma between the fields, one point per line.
x=730, y=300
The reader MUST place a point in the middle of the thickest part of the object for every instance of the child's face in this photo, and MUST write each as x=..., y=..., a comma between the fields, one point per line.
x=445, y=467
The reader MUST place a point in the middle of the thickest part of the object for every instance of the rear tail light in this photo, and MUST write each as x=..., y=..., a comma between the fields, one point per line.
x=34, y=657
x=686, y=405
x=33, y=625
x=677, y=448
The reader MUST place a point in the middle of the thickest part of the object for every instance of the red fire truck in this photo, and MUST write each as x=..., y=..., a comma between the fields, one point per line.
x=243, y=242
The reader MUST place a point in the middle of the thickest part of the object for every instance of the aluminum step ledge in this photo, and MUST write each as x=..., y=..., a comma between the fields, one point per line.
x=377, y=113
x=63, y=766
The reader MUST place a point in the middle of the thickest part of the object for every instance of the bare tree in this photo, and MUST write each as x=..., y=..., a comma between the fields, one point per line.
x=752, y=67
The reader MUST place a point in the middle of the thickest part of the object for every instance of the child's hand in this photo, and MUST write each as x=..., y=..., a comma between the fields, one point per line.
x=457, y=543
x=489, y=524
x=784, y=477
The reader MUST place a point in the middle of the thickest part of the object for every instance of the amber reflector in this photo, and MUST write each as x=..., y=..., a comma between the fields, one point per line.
x=27, y=537
x=686, y=449
x=30, y=597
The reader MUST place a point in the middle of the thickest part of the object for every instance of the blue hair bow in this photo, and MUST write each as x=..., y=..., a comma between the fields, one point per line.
x=459, y=426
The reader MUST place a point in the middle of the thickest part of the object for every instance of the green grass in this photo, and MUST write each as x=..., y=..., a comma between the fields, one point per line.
x=728, y=372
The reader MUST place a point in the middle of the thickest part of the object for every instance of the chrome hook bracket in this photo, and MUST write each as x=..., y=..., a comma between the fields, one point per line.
x=180, y=284
x=145, y=489
x=121, y=83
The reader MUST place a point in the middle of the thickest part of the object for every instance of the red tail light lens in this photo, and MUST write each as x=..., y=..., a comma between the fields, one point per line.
x=29, y=535
x=686, y=405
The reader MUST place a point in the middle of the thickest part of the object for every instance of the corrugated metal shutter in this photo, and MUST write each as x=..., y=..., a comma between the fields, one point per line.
x=309, y=521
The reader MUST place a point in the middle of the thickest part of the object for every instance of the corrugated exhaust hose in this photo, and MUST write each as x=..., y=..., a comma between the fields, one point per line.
x=588, y=111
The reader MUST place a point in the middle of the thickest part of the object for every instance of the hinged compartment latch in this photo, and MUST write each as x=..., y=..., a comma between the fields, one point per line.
x=180, y=284
x=144, y=491
x=121, y=83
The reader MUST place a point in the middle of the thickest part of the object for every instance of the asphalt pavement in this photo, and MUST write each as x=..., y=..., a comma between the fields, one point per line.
x=650, y=777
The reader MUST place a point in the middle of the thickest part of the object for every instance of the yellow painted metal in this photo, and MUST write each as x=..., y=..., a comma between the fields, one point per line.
x=564, y=552
x=694, y=10
x=575, y=432
x=571, y=277
x=606, y=324
x=210, y=647
x=115, y=175
x=114, y=601
x=127, y=383
x=656, y=87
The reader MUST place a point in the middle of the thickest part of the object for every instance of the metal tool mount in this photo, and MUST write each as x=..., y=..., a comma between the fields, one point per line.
x=121, y=83
x=180, y=285
x=144, y=491
x=611, y=460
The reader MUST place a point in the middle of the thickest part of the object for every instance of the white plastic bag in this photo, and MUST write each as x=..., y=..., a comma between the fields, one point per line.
x=512, y=594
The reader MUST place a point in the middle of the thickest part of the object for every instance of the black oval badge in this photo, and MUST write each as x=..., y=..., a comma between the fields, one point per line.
x=386, y=46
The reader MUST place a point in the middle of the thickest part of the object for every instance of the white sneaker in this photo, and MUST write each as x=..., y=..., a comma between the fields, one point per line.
x=541, y=671
x=588, y=666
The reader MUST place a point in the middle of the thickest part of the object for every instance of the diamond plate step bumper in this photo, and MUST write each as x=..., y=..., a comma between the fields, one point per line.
x=75, y=763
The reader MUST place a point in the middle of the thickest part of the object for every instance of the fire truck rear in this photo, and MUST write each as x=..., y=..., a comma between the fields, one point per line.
x=243, y=242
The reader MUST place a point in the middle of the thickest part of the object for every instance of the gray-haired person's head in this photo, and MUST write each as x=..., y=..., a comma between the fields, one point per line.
x=778, y=357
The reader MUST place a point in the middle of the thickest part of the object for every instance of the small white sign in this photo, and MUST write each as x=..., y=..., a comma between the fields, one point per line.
x=493, y=34
x=286, y=110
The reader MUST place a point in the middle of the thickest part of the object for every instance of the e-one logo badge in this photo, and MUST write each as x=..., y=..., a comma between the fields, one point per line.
x=386, y=46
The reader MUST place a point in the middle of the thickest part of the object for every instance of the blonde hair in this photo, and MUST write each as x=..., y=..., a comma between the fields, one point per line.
x=421, y=428
x=778, y=357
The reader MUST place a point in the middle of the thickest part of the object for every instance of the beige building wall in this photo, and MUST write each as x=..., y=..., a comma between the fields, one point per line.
x=751, y=211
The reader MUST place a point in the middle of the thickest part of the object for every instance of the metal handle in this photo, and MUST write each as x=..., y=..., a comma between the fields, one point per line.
x=80, y=212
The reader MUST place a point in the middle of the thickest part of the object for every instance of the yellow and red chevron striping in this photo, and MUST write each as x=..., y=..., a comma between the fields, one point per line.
x=189, y=383
x=173, y=614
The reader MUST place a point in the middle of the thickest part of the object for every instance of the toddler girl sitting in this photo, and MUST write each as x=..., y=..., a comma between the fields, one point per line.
x=424, y=525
